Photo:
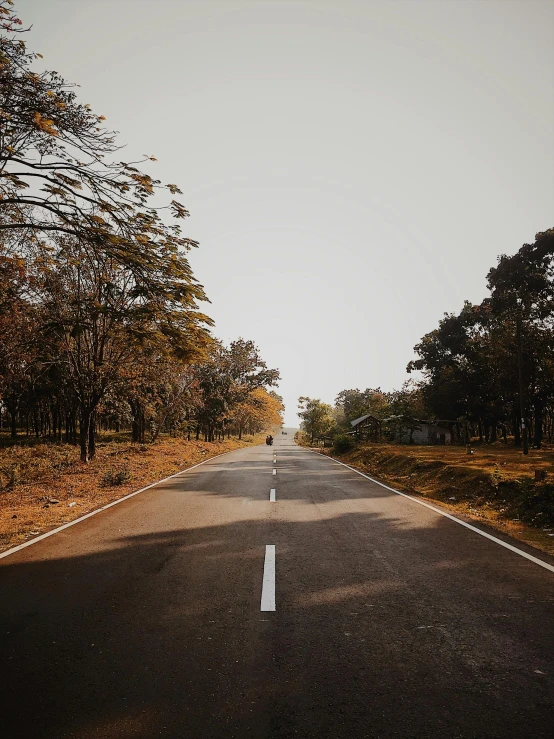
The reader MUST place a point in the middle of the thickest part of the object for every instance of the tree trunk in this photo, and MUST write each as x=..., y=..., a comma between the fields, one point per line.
x=486, y=427
x=537, y=438
x=84, y=433
x=92, y=436
x=138, y=425
x=517, y=433
x=13, y=420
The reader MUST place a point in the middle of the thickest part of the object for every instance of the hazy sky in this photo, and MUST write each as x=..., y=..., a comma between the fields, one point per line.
x=352, y=169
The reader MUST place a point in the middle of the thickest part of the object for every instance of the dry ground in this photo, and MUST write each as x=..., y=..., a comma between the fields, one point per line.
x=495, y=484
x=44, y=485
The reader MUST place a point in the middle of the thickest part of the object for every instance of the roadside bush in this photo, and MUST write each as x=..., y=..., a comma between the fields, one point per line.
x=343, y=443
x=114, y=478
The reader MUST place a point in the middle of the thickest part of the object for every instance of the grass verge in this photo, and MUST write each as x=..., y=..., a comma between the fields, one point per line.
x=45, y=485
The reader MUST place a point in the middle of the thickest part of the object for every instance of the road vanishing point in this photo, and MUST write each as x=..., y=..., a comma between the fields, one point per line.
x=234, y=601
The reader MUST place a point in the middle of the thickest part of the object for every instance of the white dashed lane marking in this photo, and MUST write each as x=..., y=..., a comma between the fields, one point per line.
x=268, y=584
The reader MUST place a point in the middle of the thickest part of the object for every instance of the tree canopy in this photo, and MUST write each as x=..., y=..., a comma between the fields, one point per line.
x=100, y=317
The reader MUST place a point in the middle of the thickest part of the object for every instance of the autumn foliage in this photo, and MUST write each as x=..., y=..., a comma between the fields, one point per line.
x=101, y=325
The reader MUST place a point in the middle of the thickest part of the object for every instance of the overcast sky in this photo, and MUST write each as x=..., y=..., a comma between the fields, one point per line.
x=352, y=169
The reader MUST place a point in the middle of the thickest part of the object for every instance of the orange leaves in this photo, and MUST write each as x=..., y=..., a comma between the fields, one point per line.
x=144, y=181
x=44, y=124
x=79, y=188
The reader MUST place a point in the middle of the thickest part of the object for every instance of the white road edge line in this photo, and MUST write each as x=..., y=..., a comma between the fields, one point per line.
x=268, y=584
x=504, y=544
x=272, y=495
x=13, y=550
x=274, y=471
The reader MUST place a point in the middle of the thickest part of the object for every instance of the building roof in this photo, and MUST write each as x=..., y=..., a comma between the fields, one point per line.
x=428, y=421
x=361, y=419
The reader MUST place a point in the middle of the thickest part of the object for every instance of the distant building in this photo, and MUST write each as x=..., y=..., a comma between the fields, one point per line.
x=366, y=427
x=406, y=430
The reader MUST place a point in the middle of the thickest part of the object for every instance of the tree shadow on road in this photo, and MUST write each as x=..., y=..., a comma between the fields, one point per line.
x=382, y=629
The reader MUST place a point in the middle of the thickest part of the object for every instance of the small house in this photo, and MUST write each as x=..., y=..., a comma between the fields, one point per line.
x=406, y=430
x=366, y=428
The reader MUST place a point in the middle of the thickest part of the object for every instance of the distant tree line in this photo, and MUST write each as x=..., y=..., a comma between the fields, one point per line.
x=490, y=368
x=100, y=325
x=320, y=419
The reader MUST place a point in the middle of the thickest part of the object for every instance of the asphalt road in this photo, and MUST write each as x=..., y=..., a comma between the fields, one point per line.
x=390, y=620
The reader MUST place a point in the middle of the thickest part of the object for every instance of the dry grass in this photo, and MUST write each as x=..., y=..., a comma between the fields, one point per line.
x=45, y=485
x=496, y=484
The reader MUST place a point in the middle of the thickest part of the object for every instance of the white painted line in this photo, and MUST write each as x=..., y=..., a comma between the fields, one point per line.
x=13, y=550
x=274, y=471
x=272, y=495
x=268, y=585
x=504, y=544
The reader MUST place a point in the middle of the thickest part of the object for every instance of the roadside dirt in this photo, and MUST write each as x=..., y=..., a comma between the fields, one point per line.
x=45, y=485
x=495, y=484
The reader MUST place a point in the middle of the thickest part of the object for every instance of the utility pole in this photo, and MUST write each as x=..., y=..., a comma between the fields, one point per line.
x=524, y=440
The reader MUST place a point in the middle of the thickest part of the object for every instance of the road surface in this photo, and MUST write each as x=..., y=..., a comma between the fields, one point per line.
x=155, y=618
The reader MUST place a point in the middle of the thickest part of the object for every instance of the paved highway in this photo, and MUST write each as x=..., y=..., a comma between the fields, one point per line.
x=210, y=606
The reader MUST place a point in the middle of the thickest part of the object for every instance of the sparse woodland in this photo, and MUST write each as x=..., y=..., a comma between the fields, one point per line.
x=101, y=319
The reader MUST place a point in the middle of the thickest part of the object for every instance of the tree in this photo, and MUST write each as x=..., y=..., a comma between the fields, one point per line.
x=355, y=403
x=260, y=410
x=493, y=363
x=86, y=256
x=227, y=379
x=100, y=321
x=522, y=294
x=17, y=326
x=317, y=417
x=58, y=167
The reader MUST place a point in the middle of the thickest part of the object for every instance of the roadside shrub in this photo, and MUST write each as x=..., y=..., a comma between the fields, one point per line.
x=343, y=443
x=113, y=478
